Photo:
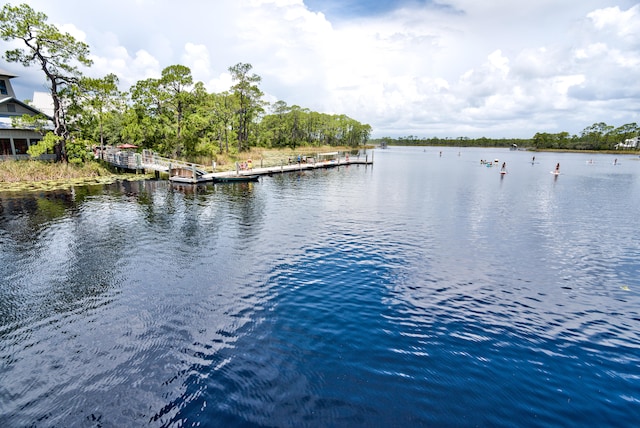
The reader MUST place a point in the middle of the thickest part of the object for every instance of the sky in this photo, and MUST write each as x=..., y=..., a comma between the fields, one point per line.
x=424, y=68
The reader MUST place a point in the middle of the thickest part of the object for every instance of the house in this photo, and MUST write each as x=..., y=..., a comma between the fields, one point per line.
x=14, y=141
x=629, y=143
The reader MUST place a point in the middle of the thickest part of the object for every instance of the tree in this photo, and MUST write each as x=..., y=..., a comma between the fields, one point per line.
x=224, y=110
x=54, y=52
x=176, y=84
x=626, y=131
x=167, y=102
x=144, y=119
x=99, y=97
x=209, y=124
x=249, y=100
x=596, y=135
x=279, y=124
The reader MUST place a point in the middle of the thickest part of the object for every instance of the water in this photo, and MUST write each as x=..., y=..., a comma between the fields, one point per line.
x=423, y=291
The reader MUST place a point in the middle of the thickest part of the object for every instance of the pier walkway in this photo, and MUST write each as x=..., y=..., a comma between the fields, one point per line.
x=186, y=172
x=344, y=161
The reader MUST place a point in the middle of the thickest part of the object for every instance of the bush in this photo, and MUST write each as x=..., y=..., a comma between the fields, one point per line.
x=78, y=151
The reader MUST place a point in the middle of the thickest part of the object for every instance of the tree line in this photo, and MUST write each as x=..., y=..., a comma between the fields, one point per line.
x=598, y=136
x=172, y=115
x=412, y=140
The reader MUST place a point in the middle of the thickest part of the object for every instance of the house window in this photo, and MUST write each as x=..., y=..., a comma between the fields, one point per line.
x=5, y=147
x=3, y=88
x=20, y=145
x=11, y=108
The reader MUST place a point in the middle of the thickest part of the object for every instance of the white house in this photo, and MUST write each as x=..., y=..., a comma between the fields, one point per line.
x=14, y=141
x=629, y=143
x=43, y=102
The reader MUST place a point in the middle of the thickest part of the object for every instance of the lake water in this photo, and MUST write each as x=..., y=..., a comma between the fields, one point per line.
x=425, y=290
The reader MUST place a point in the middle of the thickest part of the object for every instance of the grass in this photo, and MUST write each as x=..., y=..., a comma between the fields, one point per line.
x=31, y=175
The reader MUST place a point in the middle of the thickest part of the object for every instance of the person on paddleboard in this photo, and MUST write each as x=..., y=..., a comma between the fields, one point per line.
x=557, y=168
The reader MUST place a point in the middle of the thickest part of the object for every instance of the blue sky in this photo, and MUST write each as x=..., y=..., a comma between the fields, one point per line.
x=350, y=9
x=446, y=68
x=345, y=10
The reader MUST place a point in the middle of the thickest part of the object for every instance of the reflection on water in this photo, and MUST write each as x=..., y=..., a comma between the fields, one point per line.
x=365, y=296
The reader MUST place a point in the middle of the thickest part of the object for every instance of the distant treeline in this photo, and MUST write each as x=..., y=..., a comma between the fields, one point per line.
x=598, y=136
x=460, y=141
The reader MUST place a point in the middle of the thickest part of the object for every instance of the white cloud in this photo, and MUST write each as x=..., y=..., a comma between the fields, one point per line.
x=196, y=57
x=493, y=68
x=77, y=34
x=623, y=22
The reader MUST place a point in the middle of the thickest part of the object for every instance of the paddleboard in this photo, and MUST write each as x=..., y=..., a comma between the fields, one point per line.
x=555, y=172
x=503, y=172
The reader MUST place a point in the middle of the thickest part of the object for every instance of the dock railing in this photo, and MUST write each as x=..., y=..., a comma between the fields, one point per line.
x=147, y=160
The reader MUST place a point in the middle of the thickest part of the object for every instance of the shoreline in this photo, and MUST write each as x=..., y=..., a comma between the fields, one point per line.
x=595, y=152
x=66, y=183
x=30, y=176
x=528, y=149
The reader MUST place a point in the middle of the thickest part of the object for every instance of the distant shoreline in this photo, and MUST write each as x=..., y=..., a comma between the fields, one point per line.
x=595, y=152
x=525, y=149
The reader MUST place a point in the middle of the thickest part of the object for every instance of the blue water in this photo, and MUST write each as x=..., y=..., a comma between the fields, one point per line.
x=425, y=290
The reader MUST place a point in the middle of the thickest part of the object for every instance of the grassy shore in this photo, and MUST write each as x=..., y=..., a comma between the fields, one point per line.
x=37, y=175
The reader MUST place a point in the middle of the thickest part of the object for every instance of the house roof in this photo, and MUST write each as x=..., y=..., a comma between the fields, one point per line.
x=27, y=106
x=4, y=72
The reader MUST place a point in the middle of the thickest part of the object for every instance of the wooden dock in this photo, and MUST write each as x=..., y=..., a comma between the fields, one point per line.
x=193, y=177
x=185, y=172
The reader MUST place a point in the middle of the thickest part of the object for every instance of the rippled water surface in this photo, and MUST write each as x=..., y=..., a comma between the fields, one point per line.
x=423, y=291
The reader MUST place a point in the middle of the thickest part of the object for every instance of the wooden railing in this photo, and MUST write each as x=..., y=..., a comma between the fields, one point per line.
x=147, y=160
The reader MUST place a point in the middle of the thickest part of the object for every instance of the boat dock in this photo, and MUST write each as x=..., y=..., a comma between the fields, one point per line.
x=185, y=172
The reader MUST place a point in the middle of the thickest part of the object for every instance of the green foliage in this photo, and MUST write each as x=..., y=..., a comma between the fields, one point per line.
x=37, y=122
x=78, y=150
x=412, y=140
x=45, y=145
x=294, y=126
x=93, y=102
x=249, y=102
